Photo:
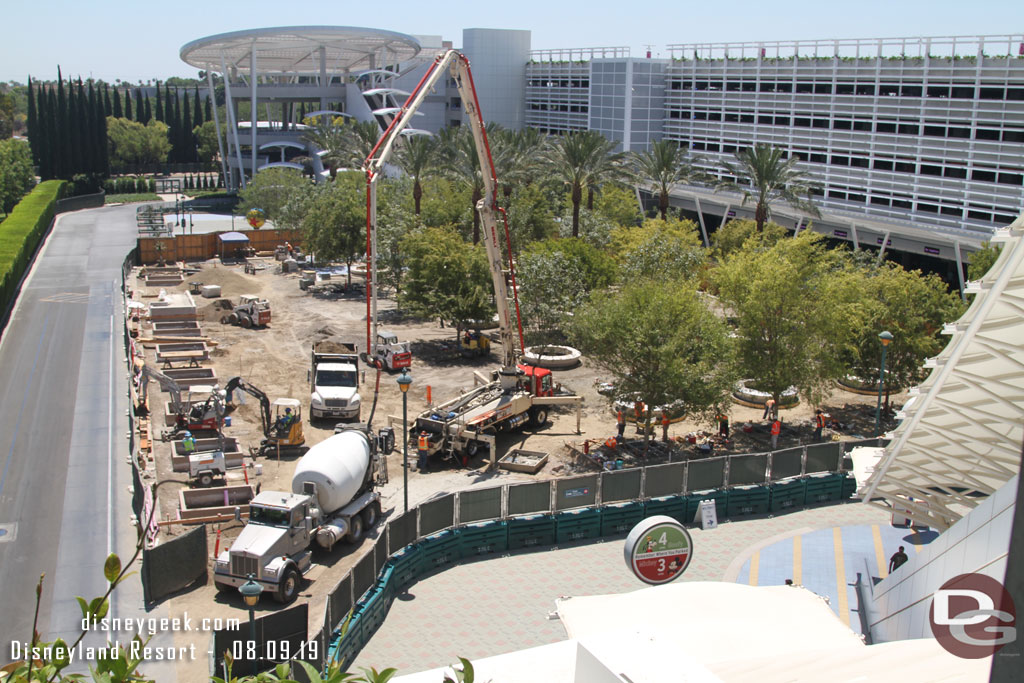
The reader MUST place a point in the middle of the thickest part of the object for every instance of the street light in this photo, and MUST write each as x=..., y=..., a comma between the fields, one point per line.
x=404, y=381
x=885, y=338
x=250, y=591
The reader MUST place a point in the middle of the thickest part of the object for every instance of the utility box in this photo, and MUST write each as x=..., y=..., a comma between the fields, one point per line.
x=209, y=291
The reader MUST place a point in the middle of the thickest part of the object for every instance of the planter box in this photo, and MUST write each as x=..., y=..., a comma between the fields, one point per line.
x=219, y=500
x=519, y=460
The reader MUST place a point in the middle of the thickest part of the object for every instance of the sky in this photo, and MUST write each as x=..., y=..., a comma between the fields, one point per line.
x=135, y=40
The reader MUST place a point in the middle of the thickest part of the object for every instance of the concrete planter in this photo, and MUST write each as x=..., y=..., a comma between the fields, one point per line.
x=552, y=357
x=753, y=398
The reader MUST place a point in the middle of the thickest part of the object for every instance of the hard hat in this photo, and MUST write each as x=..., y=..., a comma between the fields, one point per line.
x=188, y=434
x=287, y=410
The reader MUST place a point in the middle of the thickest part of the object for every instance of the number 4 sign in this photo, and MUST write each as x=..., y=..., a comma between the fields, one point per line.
x=658, y=549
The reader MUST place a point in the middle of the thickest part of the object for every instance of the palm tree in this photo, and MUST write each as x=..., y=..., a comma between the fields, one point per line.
x=418, y=158
x=771, y=177
x=581, y=159
x=665, y=166
x=331, y=141
x=362, y=136
x=459, y=161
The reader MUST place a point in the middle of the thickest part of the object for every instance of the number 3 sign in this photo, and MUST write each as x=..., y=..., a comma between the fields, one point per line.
x=658, y=549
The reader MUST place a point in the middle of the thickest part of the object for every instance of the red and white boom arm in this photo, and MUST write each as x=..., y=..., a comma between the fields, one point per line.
x=456, y=65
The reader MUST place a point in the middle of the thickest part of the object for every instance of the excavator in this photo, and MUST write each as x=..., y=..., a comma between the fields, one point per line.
x=515, y=394
x=281, y=420
x=188, y=416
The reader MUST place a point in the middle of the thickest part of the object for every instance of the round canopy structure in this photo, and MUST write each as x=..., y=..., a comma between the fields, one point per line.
x=300, y=49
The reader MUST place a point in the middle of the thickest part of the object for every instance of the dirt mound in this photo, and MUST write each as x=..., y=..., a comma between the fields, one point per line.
x=328, y=345
x=232, y=282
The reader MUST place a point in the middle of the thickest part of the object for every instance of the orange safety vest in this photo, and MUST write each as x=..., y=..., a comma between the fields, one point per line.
x=819, y=420
x=619, y=418
x=424, y=442
x=776, y=427
x=664, y=420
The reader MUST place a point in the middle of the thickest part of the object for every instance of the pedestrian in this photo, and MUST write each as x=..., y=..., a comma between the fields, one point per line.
x=665, y=422
x=897, y=560
x=638, y=408
x=776, y=430
x=819, y=424
x=188, y=443
x=769, y=409
x=723, y=425
x=423, y=448
x=620, y=421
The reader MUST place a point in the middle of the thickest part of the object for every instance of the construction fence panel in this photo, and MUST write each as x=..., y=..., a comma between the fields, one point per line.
x=787, y=463
x=706, y=474
x=664, y=480
x=278, y=636
x=339, y=602
x=745, y=470
x=621, y=485
x=576, y=492
x=526, y=499
x=824, y=457
x=401, y=531
x=477, y=505
x=174, y=564
x=363, y=576
x=312, y=655
x=380, y=551
x=436, y=515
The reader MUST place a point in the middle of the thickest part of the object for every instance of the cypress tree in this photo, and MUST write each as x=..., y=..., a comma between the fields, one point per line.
x=94, y=146
x=188, y=149
x=148, y=111
x=33, y=124
x=159, y=103
x=103, y=150
x=197, y=110
x=81, y=127
x=140, y=112
x=52, y=135
x=60, y=155
x=107, y=107
x=128, y=104
x=117, y=112
x=42, y=123
x=208, y=109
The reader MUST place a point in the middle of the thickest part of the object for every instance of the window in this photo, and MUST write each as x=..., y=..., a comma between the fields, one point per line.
x=984, y=176
x=952, y=211
x=963, y=92
x=938, y=91
x=781, y=120
x=954, y=172
x=823, y=88
x=901, y=204
x=844, y=88
x=819, y=159
x=802, y=122
x=889, y=89
x=732, y=118
x=729, y=149
x=910, y=90
x=1015, y=93
x=980, y=216
x=732, y=86
x=930, y=208
x=862, y=125
x=859, y=162
x=909, y=129
x=698, y=146
x=749, y=86
x=992, y=94
x=784, y=87
x=1011, y=178
x=856, y=197
x=835, y=194
x=1013, y=136
x=905, y=167
x=746, y=118
x=986, y=134
x=880, y=201
x=883, y=165
x=840, y=161
x=712, y=147
x=714, y=116
x=820, y=123
x=700, y=116
x=804, y=88
x=935, y=131
x=957, y=132
x=885, y=127
x=929, y=169
x=456, y=103
x=842, y=124
x=865, y=89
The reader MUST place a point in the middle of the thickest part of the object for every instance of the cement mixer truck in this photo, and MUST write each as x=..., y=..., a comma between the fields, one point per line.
x=333, y=497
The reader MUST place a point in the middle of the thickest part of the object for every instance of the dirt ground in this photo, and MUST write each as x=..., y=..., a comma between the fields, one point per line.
x=276, y=360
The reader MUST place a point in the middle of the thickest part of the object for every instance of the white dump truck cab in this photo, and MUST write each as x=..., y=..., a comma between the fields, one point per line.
x=334, y=385
x=273, y=547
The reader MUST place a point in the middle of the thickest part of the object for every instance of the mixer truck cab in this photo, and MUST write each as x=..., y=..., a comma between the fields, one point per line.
x=333, y=497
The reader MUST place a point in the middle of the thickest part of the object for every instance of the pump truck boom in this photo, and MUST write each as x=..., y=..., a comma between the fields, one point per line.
x=516, y=393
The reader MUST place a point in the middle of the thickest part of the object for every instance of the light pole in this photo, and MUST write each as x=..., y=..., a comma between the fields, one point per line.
x=404, y=380
x=885, y=338
x=251, y=590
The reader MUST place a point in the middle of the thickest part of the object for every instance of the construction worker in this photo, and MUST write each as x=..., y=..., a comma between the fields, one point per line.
x=723, y=425
x=620, y=421
x=665, y=422
x=770, y=411
x=776, y=430
x=284, y=422
x=188, y=443
x=423, y=450
x=638, y=408
x=819, y=423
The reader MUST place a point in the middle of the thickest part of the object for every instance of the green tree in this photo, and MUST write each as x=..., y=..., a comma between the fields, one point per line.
x=619, y=205
x=734, y=235
x=669, y=250
x=460, y=163
x=581, y=160
x=662, y=345
x=530, y=216
x=762, y=172
x=910, y=305
x=133, y=143
x=597, y=267
x=6, y=115
x=794, y=320
x=206, y=141
x=981, y=261
x=664, y=166
x=446, y=278
x=418, y=157
x=445, y=203
x=335, y=220
x=269, y=190
x=16, y=175
x=551, y=287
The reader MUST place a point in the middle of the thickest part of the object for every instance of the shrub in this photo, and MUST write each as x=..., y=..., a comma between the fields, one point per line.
x=22, y=232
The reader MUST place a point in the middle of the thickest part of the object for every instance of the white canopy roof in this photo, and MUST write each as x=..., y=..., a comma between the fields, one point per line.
x=960, y=438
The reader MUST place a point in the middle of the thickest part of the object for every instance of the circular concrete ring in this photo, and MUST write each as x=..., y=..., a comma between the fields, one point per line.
x=552, y=357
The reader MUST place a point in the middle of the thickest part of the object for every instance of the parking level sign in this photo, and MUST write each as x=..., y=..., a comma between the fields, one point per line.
x=658, y=549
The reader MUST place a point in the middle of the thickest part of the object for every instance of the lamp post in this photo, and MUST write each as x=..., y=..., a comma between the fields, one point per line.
x=250, y=591
x=404, y=381
x=885, y=338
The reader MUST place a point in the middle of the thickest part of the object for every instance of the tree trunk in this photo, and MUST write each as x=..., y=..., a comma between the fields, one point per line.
x=663, y=205
x=590, y=199
x=417, y=194
x=577, y=197
x=761, y=215
x=348, y=272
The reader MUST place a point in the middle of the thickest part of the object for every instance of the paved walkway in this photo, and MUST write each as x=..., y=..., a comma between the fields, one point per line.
x=494, y=606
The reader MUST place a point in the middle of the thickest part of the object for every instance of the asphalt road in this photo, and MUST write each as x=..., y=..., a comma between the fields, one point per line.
x=65, y=500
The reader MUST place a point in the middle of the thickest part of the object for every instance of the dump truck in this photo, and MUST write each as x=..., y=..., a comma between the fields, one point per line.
x=333, y=497
x=334, y=381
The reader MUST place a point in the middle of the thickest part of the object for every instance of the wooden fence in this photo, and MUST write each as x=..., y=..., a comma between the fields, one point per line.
x=207, y=246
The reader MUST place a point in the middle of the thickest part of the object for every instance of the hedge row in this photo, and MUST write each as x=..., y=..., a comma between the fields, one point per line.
x=129, y=186
x=21, y=233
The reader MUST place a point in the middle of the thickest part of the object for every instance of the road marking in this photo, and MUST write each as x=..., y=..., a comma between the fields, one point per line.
x=843, y=604
x=110, y=448
x=67, y=298
x=883, y=568
x=8, y=532
x=798, y=566
x=24, y=398
x=755, y=561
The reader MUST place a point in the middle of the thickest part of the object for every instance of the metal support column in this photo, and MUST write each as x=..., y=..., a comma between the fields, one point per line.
x=960, y=270
x=233, y=122
x=254, y=117
x=700, y=219
x=216, y=125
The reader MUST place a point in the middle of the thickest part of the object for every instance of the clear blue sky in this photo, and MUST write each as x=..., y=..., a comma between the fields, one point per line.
x=141, y=39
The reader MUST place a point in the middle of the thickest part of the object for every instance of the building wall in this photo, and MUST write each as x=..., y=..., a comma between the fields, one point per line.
x=496, y=58
x=628, y=100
